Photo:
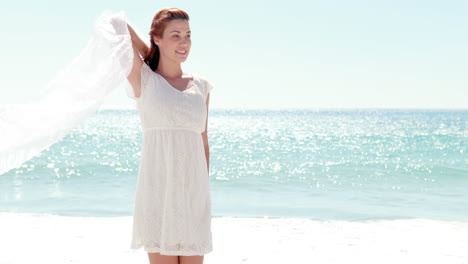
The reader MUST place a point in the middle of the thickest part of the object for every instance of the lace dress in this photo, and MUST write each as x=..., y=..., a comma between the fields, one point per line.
x=172, y=212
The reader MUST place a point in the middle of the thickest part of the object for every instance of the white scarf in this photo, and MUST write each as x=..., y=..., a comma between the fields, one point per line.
x=72, y=96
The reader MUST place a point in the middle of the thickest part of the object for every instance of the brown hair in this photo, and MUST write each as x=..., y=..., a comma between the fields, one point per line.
x=158, y=25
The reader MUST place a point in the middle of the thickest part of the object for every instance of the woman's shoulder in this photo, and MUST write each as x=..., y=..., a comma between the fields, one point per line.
x=146, y=70
x=202, y=82
x=199, y=77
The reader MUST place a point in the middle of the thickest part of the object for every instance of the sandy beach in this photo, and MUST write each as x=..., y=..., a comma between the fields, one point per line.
x=53, y=239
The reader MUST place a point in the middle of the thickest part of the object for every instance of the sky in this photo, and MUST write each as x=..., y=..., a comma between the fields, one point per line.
x=266, y=54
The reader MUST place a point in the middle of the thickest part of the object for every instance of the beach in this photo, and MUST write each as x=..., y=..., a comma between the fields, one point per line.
x=386, y=187
x=35, y=238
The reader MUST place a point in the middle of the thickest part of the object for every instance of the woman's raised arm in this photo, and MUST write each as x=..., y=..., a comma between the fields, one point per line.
x=140, y=49
x=134, y=78
x=137, y=42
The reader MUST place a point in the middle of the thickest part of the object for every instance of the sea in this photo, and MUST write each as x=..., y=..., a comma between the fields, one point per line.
x=322, y=164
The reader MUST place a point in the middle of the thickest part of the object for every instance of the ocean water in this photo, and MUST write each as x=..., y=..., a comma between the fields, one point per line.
x=324, y=165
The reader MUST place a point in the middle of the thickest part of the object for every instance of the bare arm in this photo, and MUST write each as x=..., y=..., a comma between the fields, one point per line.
x=139, y=44
x=205, y=136
x=135, y=75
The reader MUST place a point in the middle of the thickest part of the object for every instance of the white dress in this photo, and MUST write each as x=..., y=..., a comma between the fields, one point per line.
x=172, y=212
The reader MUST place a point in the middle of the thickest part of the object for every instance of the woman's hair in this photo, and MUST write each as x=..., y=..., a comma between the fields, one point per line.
x=158, y=25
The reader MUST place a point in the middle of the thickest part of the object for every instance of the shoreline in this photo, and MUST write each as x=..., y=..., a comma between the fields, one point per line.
x=311, y=109
x=72, y=239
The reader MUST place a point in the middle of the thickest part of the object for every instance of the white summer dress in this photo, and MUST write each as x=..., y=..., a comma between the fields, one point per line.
x=172, y=212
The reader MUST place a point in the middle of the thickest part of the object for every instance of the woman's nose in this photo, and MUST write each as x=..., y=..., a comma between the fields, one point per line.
x=185, y=41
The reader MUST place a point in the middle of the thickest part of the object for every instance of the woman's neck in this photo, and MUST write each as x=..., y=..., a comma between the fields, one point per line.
x=169, y=70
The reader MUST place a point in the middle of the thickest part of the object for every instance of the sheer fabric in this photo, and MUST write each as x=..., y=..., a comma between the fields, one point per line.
x=72, y=96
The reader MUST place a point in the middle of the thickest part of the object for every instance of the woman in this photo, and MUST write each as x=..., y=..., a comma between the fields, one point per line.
x=172, y=213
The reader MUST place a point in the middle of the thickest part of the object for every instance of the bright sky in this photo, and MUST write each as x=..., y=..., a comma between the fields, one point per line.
x=272, y=54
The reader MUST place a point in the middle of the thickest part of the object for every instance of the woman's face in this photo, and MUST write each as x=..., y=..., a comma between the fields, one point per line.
x=175, y=42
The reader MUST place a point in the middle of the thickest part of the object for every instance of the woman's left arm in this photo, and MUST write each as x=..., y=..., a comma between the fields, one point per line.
x=138, y=43
x=205, y=136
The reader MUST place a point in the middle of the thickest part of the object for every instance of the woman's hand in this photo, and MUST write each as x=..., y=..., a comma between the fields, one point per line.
x=118, y=23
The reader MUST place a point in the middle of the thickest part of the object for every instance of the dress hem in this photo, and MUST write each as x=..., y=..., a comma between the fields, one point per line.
x=172, y=252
